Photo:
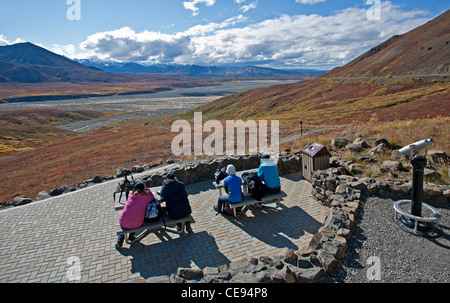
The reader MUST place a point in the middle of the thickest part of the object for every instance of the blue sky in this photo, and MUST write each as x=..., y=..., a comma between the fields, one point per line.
x=318, y=34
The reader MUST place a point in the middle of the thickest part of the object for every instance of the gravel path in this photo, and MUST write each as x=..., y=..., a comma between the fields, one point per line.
x=403, y=257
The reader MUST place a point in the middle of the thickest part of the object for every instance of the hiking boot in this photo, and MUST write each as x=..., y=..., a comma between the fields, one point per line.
x=215, y=208
x=188, y=227
x=118, y=245
x=179, y=227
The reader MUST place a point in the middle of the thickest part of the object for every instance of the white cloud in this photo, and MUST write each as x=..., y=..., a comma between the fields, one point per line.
x=192, y=5
x=3, y=41
x=312, y=41
x=247, y=7
x=309, y=1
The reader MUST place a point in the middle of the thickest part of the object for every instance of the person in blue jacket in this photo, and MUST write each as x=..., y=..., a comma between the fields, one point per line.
x=268, y=173
x=176, y=197
x=232, y=185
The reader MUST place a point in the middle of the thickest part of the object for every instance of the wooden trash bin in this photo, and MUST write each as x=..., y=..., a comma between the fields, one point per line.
x=314, y=157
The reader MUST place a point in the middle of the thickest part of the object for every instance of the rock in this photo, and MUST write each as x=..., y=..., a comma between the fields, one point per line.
x=438, y=156
x=447, y=193
x=317, y=241
x=56, y=192
x=379, y=149
x=189, y=273
x=328, y=261
x=160, y=279
x=224, y=275
x=335, y=248
x=397, y=155
x=287, y=275
x=432, y=175
x=354, y=147
x=339, y=142
x=314, y=274
x=236, y=265
x=137, y=169
x=254, y=261
x=304, y=262
x=210, y=271
x=42, y=196
x=97, y=179
x=23, y=200
x=242, y=277
x=384, y=142
x=267, y=260
x=263, y=277
x=176, y=279
x=290, y=257
x=361, y=142
x=391, y=166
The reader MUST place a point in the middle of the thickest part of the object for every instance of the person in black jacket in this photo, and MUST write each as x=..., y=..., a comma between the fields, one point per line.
x=176, y=197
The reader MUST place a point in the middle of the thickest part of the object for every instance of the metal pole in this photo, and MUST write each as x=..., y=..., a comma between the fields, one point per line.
x=301, y=126
x=418, y=164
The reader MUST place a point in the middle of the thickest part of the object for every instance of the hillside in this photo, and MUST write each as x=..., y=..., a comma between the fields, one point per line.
x=404, y=78
x=422, y=51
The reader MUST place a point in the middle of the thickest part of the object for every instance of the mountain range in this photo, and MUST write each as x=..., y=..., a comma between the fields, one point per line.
x=29, y=63
x=195, y=70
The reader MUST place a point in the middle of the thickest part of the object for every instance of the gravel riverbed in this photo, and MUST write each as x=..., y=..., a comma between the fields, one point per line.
x=402, y=256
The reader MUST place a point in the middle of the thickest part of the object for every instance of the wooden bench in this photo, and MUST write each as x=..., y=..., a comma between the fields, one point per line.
x=147, y=228
x=248, y=201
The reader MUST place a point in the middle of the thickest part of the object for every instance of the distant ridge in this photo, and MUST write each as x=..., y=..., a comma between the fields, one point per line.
x=195, y=70
x=29, y=63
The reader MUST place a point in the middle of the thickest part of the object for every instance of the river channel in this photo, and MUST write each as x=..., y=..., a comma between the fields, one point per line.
x=142, y=106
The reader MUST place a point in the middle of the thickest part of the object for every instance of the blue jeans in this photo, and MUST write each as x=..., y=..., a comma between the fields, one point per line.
x=222, y=199
x=121, y=238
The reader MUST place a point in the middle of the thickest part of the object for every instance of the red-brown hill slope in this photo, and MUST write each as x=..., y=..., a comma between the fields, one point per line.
x=422, y=51
x=390, y=82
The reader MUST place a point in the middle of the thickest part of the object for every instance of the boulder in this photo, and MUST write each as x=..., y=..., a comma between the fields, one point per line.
x=438, y=156
x=354, y=147
x=189, y=273
x=339, y=142
x=42, y=196
x=391, y=166
x=361, y=142
x=18, y=201
x=378, y=149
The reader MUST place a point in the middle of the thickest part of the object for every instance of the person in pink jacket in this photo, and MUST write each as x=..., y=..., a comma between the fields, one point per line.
x=133, y=213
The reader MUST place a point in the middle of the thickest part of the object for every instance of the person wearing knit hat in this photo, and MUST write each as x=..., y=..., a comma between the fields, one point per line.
x=232, y=185
x=268, y=173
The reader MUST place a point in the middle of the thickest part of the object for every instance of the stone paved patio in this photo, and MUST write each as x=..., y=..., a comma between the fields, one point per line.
x=39, y=239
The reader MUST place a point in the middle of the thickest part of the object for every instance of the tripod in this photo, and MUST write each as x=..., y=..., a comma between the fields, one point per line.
x=126, y=186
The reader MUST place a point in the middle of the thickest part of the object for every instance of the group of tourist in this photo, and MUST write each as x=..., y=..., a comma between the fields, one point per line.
x=174, y=194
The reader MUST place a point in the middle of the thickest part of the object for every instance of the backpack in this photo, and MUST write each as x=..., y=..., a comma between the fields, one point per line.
x=256, y=188
x=153, y=213
x=220, y=174
x=228, y=211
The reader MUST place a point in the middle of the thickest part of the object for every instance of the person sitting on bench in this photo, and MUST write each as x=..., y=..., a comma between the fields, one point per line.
x=177, y=201
x=232, y=185
x=268, y=173
x=133, y=213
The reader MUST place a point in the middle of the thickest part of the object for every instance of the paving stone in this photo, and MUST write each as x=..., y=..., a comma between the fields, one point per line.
x=39, y=238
